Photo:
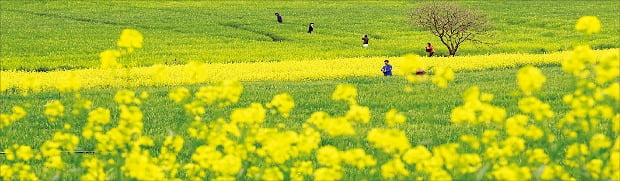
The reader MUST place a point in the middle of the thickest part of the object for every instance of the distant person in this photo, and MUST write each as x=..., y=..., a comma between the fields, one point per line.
x=387, y=68
x=311, y=28
x=420, y=72
x=430, y=50
x=365, y=38
x=279, y=17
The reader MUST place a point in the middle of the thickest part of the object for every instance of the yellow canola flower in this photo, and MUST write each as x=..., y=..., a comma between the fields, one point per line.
x=329, y=156
x=19, y=152
x=195, y=108
x=109, y=59
x=472, y=140
x=410, y=65
x=140, y=165
x=449, y=155
x=95, y=170
x=530, y=79
x=608, y=68
x=358, y=113
x=206, y=156
x=130, y=39
x=309, y=139
x=7, y=119
x=277, y=147
x=17, y=171
x=53, y=110
x=346, y=92
x=513, y=145
x=469, y=163
x=613, y=91
x=537, y=156
x=167, y=158
x=575, y=154
x=224, y=93
x=442, y=76
x=416, y=155
x=228, y=165
x=357, y=157
x=393, y=169
x=179, y=94
x=537, y=108
x=255, y=113
x=126, y=97
x=283, y=103
x=272, y=173
x=393, y=117
x=511, y=172
x=51, y=149
x=599, y=141
x=516, y=125
x=552, y=171
x=588, y=24
x=391, y=141
x=327, y=174
x=301, y=169
x=489, y=136
x=576, y=62
x=334, y=126
x=594, y=167
x=476, y=110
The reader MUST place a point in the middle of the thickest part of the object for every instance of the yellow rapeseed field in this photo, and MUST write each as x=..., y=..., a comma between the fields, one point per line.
x=287, y=70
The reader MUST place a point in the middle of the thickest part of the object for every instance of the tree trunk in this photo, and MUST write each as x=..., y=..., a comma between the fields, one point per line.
x=452, y=52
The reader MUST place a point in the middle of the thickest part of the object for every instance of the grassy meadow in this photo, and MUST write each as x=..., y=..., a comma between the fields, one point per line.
x=220, y=91
x=46, y=35
x=427, y=108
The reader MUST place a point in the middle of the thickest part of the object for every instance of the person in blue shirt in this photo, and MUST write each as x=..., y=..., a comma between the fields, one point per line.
x=279, y=17
x=387, y=68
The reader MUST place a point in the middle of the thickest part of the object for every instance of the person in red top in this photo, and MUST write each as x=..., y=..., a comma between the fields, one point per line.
x=430, y=50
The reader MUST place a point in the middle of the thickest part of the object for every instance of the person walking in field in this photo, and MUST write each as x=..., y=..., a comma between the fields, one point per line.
x=430, y=50
x=279, y=17
x=365, y=38
x=311, y=28
x=387, y=68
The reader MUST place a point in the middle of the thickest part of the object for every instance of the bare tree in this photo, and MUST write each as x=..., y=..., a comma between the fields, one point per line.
x=451, y=23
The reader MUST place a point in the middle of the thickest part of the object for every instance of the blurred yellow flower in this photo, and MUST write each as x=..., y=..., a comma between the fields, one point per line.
x=53, y=110
x=530, y=79
x=393, y=117
x=346, y=92
x=130, y=39
x=442, y=76
x=588, y=24
x=109, y=59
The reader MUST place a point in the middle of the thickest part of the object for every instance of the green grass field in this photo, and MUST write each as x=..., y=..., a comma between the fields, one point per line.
x=578, y=142
x=49, y=35
x=427, y=108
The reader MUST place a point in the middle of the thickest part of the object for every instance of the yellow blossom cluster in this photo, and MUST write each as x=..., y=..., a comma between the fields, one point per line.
x=7, y=119
x=588, y=24
x=477, y=109
x=130, y=39
x=283, y=104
